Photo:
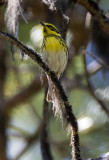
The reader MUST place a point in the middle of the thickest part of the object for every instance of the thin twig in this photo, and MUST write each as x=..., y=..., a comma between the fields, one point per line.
x=101, y=158
x=30, y=141
x=69, y=115
x=45, y=147
x=99, y=60
x=103, y=106
x=20, y=10
x=17, y=129
x=93, y=67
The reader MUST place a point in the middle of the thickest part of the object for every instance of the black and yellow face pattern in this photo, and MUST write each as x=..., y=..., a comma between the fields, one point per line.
x=49, y=29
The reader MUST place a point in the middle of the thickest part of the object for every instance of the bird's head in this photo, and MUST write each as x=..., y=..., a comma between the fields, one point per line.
x=49, y=29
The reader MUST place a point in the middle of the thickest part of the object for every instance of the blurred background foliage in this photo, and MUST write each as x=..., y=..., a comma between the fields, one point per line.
x=22, y=93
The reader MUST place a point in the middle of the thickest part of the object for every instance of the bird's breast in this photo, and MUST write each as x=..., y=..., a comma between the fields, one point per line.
x=53, y=45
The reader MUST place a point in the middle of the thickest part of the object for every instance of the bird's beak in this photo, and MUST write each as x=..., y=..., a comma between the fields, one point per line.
x=42, y=23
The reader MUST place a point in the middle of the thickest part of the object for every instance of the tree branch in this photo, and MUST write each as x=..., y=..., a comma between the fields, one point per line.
x=69, y=115
x=23, y=95
x=99, y=60
x=101, y=158
x=45, y=147
x=103, y=106
x=91, y=6
x=30, y=141
x=96, y=12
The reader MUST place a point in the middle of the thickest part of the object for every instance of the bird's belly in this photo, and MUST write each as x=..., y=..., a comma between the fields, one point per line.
x=56, y=61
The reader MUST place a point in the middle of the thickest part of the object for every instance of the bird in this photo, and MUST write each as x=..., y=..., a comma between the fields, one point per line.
x=54, y=53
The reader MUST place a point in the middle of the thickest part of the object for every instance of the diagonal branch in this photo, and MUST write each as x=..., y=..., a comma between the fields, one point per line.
x=23, y=95
x=30, y=141
x=69, y=115
x=99, y=60
x=103, y=106
x=96, y=12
